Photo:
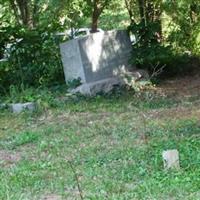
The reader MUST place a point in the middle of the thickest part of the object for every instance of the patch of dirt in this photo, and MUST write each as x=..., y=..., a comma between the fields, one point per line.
x=72, y=193
x=51, y=197
x=180, y=112
x=187, y=86
x=9, y=158
x=185, y=89
x=87, y=118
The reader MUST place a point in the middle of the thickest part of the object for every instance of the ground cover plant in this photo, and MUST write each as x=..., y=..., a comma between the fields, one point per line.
x=107, y=147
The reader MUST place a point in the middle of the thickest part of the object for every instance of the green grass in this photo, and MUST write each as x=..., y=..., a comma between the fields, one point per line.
x=101, y=138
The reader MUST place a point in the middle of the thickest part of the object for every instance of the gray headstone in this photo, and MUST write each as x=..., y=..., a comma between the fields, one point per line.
x=96, y=58
x=19, y=107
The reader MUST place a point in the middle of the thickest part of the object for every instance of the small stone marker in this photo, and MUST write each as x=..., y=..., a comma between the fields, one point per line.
x=19, y=107
x=171, y=159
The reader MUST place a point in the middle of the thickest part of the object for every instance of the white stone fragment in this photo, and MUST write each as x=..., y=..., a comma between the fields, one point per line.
x=19, y=107
x=171, y=159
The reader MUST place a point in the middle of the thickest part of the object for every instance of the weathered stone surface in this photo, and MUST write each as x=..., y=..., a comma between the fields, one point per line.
x=19, y=107
x=72, y=61
x=96, y=58
x=171, y=159
x=105, y=85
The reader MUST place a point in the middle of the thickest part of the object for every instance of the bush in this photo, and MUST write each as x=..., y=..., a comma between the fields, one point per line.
x=148, y=50
x=150, y=53
x=34, y=61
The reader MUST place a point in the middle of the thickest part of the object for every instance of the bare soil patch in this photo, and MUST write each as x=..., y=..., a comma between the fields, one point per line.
x=9, y=158
x=175, y=113
x=51, y=197
x=186, y=86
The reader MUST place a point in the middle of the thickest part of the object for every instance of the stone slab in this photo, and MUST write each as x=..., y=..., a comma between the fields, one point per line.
x=19, y=107
x=72, y=62
x=105, y=86
x=97, y=56
x=171, y=159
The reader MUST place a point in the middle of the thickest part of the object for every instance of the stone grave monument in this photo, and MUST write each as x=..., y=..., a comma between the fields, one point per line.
x=96, y=59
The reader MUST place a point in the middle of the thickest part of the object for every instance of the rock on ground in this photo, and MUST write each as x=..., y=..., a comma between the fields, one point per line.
x=19, y=107
x=171, y=159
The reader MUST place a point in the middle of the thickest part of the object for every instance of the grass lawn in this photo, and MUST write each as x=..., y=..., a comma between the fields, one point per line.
x=100, y=144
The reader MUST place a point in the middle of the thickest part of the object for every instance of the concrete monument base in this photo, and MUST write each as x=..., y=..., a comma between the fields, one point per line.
x=105, y=86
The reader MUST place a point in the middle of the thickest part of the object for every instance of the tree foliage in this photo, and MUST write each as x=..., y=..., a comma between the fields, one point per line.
x=184, y=25
x=97, y=7
x=165, y=30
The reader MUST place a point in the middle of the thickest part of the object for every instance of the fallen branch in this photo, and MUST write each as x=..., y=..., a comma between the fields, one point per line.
x=156, y=71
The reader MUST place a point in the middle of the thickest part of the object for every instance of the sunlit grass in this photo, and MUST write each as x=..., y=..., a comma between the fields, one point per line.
x=101, y=138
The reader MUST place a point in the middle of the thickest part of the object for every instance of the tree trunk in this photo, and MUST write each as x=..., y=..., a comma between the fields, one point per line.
x=150, y=14
x=98, y=7
x=23, y=12
x=130, y=11
x=15, y=10
x=193, y=13
x=141, y=4
x=95, y=18
x=35, y=17
x=156, y=18
x=158, y=21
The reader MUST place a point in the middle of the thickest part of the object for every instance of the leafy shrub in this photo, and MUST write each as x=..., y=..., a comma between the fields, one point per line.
x=74, y=83
x=34, y=60
x=45, y=95
x=150, y=53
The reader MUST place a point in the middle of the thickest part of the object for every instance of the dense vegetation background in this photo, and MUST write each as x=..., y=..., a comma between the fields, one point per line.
x=108, y=146
x=167, y=34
